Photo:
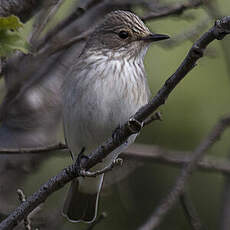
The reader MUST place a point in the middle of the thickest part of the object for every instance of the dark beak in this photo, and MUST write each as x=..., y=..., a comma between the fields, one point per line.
x=155, y=37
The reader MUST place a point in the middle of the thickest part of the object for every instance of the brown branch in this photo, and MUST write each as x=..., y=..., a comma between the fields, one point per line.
x=174, y=10
x=178, y=189
x=218, y=31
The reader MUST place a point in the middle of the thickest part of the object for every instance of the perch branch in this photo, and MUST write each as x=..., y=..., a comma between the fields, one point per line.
x=218, y=31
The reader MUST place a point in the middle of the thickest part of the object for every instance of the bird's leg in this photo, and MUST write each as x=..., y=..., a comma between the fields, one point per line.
x=81, y=158
x=78, y=162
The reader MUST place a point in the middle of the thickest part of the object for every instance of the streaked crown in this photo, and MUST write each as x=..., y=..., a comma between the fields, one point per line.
x=124, y=20
x=121, y=29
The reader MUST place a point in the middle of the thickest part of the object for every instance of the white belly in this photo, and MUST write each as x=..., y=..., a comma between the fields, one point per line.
x=101, y=101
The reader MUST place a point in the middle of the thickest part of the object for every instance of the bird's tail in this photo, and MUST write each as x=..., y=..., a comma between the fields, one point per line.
x=80, y=204
x=82, y=199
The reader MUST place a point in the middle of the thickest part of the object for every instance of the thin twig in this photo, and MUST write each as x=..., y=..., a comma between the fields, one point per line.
x=44, y=149
x=22, y=198
x=116, y=162
x=173, y=10
x=154, y=154
x=190, y=34
x=155, y=117
x=52, y=50
x=218, y=31
x=190, y=212
x=78, y=12
x=178, y=189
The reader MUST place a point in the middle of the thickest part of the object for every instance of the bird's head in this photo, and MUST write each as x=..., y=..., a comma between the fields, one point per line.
x=122, y=31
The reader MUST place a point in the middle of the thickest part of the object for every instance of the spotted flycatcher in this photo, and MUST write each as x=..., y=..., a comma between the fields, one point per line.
x=105, y=87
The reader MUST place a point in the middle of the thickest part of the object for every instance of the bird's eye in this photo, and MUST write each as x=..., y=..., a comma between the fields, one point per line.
x=123, y=34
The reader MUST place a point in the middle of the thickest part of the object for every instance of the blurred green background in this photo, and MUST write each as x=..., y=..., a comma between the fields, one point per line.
x=188, y=115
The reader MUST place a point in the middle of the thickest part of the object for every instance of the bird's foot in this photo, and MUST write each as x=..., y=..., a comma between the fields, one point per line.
x=81, y=158
x=134, y=125
x=117, y=135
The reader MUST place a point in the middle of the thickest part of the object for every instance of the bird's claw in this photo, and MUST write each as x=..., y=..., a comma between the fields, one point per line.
x=118, y=161
x=135, y=126
x=81, y=158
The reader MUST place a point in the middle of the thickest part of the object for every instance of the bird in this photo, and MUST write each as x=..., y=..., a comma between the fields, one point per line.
x=105, y=86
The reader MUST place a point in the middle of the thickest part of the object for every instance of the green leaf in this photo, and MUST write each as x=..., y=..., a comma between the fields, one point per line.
x=10, y=37
x=11, y=41
x=11, y=23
